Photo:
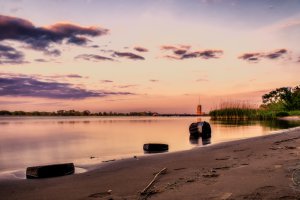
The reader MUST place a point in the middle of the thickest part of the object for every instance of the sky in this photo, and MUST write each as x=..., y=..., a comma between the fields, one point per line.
x=145, y=55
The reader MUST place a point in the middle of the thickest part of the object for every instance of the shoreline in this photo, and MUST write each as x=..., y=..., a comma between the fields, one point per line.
x=261, y=166
x=20, y=174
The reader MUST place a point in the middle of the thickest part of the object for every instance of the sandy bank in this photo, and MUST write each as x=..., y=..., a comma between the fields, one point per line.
x=291, y=118
x=256, y=168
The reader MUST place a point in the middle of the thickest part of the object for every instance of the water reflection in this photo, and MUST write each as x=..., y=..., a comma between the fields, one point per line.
x=206, y=141
x=195, y=140
x=29, y=141
x=272, y=124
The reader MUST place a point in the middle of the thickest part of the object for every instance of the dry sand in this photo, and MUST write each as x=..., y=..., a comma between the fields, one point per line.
x=256, y=168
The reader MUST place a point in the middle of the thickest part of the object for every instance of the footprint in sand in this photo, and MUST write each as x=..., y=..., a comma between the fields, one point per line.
x=239, y=150
x=289, y=147
x=100, y=194
x=222, y=168
x=275, y=148
x=224, y=158
x=181, y=168
x=211, y=174
x=288, y=197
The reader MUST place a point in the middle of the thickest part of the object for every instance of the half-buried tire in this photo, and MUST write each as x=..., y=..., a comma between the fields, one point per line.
x=155, y=147
x=47, y=171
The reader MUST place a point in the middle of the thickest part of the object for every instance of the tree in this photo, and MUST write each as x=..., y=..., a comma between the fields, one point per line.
x=86, y=113
x=285, y=98
x=5, y=112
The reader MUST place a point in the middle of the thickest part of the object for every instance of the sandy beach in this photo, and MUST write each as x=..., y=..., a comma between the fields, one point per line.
x=264, y=167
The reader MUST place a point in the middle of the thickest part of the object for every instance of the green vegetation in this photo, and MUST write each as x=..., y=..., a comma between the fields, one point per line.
x=234, y=110
x=281, y=102
x=282, y=99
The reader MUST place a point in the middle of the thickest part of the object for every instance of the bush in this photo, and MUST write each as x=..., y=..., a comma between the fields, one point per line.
x=282, y=114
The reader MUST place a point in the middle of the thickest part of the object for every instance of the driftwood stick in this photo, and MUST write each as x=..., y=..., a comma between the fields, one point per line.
x=144, y=191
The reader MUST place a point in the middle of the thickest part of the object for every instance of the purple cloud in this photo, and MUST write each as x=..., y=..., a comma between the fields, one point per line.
x=174, y=48
x=32, y=87
x=9, y=55
x=42, y=77
x=13, y=102
x=93, y=57
x=168, y=47
x=182, y=52
x=141, y=49
x=107, y=81
x=154, y=80
x=257, y=56
x=276, y=54
x=251, y=56
x=51, y=77
x=126, y=86
x=40, y=60
x=41, y=38
x=95, y=46
x=73, y=76
x=128, y=55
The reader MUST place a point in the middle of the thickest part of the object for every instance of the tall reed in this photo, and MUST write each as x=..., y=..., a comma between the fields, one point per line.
x=240, y=110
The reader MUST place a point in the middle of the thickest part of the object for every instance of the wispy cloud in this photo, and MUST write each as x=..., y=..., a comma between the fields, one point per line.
x=126, y=86
x=284, y=25
x=182, y=52
x=21, y=85
x=13, y=102
x=9, y=55
x=43, y=77
x=276, y=54
x=74, y=76
x=95, y=46
x=206, y=54
x=107, y=81
x=42, y=60
x=141, y=49
x=257, y=56
x=252, y=57
x=175, y=47
x=93, y=57
x=41, y=38
x=128, y=55
x=154, y=80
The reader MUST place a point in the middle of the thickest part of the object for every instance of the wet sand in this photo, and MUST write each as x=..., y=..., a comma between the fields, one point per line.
x=266, y=167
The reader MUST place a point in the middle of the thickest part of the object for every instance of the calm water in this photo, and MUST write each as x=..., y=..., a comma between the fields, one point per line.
x=29, y=141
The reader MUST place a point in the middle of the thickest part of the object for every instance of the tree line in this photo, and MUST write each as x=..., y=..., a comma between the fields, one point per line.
x=84, y=113
x=72, y=113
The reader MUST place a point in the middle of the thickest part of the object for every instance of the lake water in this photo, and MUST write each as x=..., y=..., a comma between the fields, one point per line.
x=30, y=141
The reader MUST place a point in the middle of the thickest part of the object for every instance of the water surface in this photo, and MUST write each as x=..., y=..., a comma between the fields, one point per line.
x=29, y=141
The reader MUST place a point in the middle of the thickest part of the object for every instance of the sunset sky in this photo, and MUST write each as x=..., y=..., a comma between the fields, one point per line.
x=145, y=55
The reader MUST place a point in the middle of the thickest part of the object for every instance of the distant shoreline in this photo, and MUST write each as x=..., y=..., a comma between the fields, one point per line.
x=86, y=113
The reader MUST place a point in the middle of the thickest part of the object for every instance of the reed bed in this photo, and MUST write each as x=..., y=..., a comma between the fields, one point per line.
x=241, y=110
